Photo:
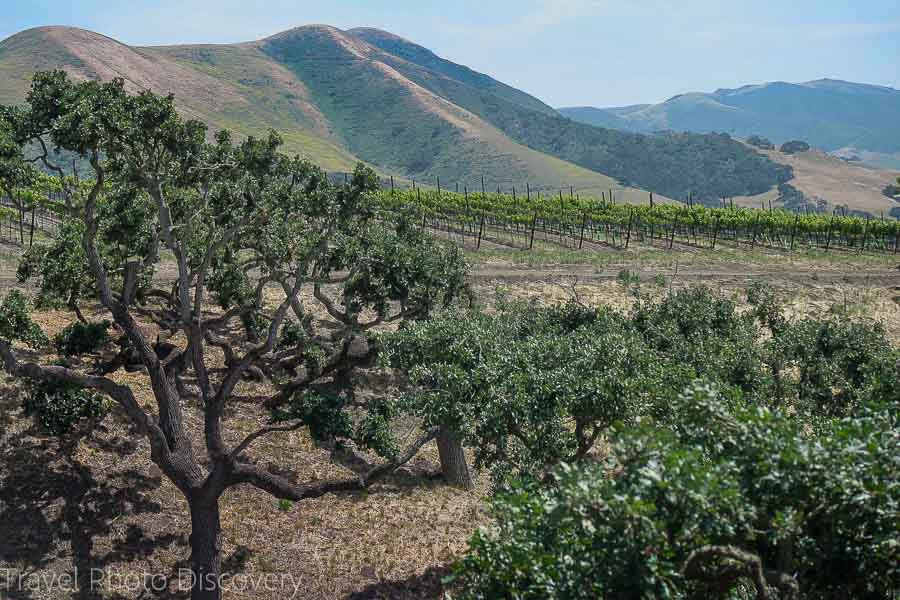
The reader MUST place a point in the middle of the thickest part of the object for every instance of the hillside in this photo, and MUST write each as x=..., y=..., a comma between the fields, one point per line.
x=250, y=94
x=343, y=96
x=707, y=166
x=835, y=116
x=838, y=182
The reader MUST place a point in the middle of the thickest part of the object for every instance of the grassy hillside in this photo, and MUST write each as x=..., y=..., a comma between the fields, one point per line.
x=23, y=54
x=707, y=166
x=338, y=97
x=383, y=116
x=424, y=57
x=225, y=86
x=836, y=181
x=275, y=99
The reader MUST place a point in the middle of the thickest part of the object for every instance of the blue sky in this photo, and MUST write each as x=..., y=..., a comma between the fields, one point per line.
x=567, y=52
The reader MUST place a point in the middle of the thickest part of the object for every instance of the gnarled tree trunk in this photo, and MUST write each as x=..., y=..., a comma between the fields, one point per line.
x=453, y=460
x=205, y=547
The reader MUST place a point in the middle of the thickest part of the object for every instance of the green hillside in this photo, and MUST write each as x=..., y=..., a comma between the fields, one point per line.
x=339, y=97
x=708, y=166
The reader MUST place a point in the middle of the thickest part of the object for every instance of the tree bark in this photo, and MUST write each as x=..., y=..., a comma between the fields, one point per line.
x=453, y=460
x=205, y=547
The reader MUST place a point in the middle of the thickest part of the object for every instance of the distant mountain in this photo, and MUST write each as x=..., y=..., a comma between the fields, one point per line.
x=343, y=96
x=835, y=116
x=599, y=117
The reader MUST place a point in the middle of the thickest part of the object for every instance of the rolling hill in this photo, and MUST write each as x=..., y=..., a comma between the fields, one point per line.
x=818, y=175
x=339, y=97
x=834, y=116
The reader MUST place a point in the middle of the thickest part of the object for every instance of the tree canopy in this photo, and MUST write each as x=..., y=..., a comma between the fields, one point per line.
x=256, y=247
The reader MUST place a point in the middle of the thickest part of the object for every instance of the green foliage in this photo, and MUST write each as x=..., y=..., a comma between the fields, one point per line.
x=292, y=335
x=835, y=360
x=760, y=142
x=822, y=509
x=891, y=190
x=799, y=220
x=403, y=264
x=82, y=338
x=528, y=387
x=59, y=407
x=794, y=147
x=60, y=265
x=705, y=336
x=16, y=323
x=628, y=278
x=329, y=420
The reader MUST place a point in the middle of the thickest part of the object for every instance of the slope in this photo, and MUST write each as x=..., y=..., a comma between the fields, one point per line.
x=838, y=182
x=831, y=115
x=424, y=57
x=270, y=97
x=385, y=117
x=338, y=97
x=707, y=166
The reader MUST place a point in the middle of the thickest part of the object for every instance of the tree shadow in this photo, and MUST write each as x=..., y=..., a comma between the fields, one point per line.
x=417, y=587
x=50, y=500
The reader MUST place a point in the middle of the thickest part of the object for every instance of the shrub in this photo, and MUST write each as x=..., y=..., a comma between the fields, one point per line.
x=834, y=360
x=760, y=142
x=59, y=407
x=703, y=333
x=891, y=190
x=16, y=323
x=831, y=365
x=690, y=512
x=529, y=387
x=82, y=338
x=794, y=147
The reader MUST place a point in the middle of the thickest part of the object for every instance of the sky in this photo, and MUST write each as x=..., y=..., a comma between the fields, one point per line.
x=566, y=52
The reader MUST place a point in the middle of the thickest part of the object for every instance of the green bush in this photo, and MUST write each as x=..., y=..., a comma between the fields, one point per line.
x=82, y=338
x=16, y=323
x=59, y=407
x=527, y=387
x=685, y=512
x=760, y=142
x=705, y=333
x=794, y=147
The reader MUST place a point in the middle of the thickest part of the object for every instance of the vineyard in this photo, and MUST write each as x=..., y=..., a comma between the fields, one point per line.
x=519, y=220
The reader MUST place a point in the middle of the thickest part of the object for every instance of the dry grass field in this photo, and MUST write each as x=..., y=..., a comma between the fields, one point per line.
x=838, y=182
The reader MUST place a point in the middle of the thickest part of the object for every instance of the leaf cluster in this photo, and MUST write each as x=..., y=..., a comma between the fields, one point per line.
x=819, y=512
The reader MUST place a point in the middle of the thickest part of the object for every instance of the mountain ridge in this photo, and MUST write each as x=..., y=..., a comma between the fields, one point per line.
x=831, y=114
x=368, y=95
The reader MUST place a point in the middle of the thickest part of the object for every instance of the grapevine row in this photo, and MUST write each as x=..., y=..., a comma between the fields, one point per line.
x=519, y=220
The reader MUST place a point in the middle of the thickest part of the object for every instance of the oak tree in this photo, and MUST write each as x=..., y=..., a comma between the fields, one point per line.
x=256, y=243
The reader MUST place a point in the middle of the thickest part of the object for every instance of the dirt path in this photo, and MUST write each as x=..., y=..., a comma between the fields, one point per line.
x=793, y=273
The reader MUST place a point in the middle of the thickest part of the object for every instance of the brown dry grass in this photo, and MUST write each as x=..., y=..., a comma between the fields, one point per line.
x=839, y=182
